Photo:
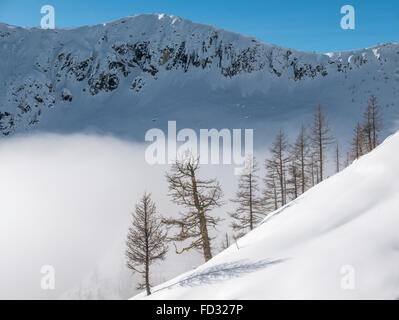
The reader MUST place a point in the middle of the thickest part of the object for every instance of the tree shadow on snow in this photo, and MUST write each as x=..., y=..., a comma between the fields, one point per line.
x=223, y=271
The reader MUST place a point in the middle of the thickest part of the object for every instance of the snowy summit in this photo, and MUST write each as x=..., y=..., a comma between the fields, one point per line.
x=158, y=67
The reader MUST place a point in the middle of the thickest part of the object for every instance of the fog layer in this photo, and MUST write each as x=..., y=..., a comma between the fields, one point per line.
x=66, y=202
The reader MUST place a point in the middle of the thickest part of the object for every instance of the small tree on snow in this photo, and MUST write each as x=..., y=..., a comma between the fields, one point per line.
x=358, y=142
x=270, y=193
x=372, y=123
x=300, y=153
x=250, y=208
x=199, y=197
x=293, y=183
x=146, y=240
x=278, y=163
x=337, y=157
x=320, y=140
x=225, y=242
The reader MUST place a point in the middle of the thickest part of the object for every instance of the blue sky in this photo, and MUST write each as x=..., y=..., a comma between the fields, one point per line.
x=300, y=24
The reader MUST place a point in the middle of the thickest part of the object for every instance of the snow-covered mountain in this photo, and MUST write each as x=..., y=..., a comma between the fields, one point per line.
x=339, y=240
x=126, y=76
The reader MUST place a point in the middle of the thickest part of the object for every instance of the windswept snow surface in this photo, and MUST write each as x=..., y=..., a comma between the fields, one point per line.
x=340, y=240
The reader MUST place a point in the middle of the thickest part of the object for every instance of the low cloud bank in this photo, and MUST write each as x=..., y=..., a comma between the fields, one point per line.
x=66, y=201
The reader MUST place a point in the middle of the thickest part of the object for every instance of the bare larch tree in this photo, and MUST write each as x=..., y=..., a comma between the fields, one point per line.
x=314, y=171
x=250, y=209
x=278, y=161
x=199, y=197
x=320, y=138
x=293, y=182
x=337, y=157
x=146, y=240
x=358, y=142
x=300, y=155
x=226, y=242
x=347, y=161
x=372, y=123
x=270, y=193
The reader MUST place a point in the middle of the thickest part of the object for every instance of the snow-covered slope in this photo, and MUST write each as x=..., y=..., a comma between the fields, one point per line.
x=339, y=240
x=127, y=76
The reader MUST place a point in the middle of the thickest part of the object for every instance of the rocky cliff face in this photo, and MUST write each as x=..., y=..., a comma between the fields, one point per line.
x=43, y=69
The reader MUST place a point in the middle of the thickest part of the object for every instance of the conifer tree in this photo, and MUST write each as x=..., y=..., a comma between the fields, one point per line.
x=320, y=138
x=372, y=123
x=337, y=157
x=199, y=197
x=358, y=142
x=226, y=242
x=300, y=154
x=294, y=180
x=270, y=193
x=146, y=240
x=250, y=209
x=278, y=164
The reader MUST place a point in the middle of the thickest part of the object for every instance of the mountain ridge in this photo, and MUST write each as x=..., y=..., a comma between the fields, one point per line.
x=124, y=60
x=173, y=17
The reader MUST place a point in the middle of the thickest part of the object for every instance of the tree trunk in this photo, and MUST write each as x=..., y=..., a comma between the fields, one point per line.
x=374, y=133
x=147, y=278
x=251, y=222
x=295, y=183
x=205, y=238
x=303, y=171
x=202, y=221
x=321, y=155
x=147, y=252
x=281, y=180
x=312, y=167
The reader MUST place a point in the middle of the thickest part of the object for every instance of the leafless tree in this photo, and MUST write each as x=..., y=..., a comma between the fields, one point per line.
x=347, y=160
x=278, y=163
x=146, y=240
x=372, y=123
x=250, y=209
x=313, y=169
x=199, y=197
x=300, y=155
x=358, y=142
x=293, y=184
x=320, y=138
x=270, y=193
x=337, y=157
x=226, y=242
